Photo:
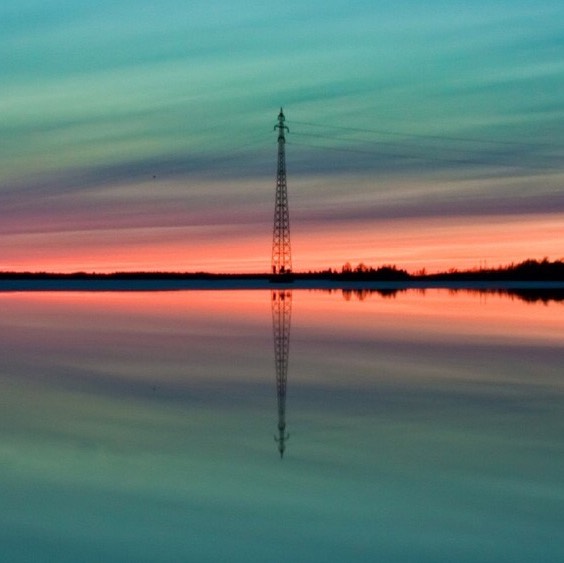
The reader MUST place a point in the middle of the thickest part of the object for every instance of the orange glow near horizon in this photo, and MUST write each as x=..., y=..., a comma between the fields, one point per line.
x=440, y=244
x=478, y=315
x=412, y=244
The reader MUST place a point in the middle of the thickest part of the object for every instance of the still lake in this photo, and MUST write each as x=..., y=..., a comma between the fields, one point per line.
x=420, y=426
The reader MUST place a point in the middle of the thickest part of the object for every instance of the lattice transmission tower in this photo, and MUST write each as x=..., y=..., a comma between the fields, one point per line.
x=281, y=315
x=281, y=249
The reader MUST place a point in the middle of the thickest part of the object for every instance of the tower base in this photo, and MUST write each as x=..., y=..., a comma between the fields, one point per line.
x=285, y=277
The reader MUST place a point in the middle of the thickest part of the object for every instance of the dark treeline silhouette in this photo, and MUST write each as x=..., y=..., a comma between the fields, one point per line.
x=384, y=273
x=529, y=271
x=360, y=273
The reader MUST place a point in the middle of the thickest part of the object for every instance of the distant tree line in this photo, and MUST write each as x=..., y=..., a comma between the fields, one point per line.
x=529, y=270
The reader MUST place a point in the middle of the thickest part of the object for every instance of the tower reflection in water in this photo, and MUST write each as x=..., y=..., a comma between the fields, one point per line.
x=281, y=317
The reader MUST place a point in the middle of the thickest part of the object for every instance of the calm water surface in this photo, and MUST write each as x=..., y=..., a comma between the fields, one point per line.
x=144, y=426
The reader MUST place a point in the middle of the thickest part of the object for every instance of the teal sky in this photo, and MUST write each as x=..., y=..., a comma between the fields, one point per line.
x=99, y=99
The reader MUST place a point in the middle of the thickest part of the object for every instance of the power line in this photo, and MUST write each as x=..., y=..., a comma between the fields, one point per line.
x=415, y=135
x=477, y=156
x=383, y=143
x=395, y=155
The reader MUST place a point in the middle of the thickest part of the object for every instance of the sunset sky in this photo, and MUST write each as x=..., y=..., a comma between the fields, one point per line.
x=139, y=135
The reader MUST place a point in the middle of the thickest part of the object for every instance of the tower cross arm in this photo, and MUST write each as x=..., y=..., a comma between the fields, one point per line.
x=280, y=125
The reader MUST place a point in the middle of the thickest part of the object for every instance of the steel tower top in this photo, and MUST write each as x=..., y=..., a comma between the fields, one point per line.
x=281, y=249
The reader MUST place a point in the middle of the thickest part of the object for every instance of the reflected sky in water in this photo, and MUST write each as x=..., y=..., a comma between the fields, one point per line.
x=140, y=427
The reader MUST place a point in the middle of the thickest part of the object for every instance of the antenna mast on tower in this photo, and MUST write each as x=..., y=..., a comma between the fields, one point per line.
x=281, y=249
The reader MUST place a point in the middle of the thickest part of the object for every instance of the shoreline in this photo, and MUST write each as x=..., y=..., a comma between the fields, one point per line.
x=156, y=284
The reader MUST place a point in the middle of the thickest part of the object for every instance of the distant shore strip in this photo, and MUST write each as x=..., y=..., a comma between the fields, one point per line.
x=162, y=284
x=531, y=274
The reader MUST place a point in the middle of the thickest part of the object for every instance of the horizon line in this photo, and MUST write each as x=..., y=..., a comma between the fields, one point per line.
x=347, y=268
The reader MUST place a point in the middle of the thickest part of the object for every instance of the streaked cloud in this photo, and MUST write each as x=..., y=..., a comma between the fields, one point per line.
x=125, y=116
